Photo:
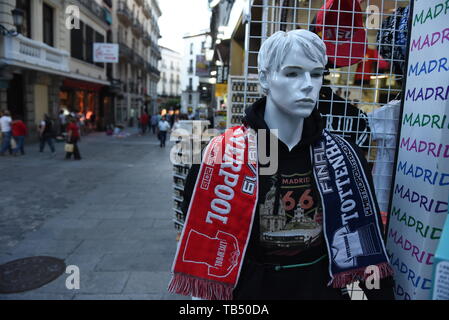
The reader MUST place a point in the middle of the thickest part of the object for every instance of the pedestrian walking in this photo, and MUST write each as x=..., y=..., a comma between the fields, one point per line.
x=143, y=120
x=154, y=121
x=73, y=137
x=163, y=127
x=46, y=134
x=176, y=124
x=5, y=124
x=62, y=122
x=19, y=131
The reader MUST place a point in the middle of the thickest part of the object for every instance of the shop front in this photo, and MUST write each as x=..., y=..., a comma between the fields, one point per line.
x=92, y=102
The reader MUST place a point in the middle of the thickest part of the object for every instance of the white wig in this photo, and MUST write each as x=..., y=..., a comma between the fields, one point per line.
x=274, y=50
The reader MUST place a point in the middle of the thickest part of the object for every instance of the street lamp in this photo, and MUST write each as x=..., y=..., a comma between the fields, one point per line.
x=17, y=16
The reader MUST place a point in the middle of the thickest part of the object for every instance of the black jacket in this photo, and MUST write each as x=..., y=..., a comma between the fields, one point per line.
x=289, y=193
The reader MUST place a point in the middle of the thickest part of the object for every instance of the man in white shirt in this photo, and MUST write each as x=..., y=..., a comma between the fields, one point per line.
x=5, y=124
x=163, y=127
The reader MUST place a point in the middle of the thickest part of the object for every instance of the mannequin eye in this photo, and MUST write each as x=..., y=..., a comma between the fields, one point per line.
x=291, y=74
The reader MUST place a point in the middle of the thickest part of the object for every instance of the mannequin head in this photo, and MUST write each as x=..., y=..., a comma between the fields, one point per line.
x=291, y=66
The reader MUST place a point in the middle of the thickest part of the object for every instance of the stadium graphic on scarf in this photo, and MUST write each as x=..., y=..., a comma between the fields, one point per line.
x=347, y=246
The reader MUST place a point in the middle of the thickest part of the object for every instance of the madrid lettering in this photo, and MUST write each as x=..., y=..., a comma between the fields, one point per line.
x=426, y=175
x=421, y=256
x=425, y=94
x=426, y=203
x=423, y=230
x=427, y=147
x=433, y=121
x=412, y=276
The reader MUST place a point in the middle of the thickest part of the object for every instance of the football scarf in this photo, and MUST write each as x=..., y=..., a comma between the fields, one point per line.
x=219, y=220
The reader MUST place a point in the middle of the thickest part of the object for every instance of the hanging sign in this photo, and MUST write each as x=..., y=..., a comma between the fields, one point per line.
x=421, y=187
x=106, y=52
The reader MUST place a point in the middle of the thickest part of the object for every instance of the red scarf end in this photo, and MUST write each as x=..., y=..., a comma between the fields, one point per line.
x=205, y=289
x=343, y=279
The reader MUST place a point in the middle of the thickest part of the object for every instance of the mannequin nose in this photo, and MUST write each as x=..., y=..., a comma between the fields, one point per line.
x=307, y=86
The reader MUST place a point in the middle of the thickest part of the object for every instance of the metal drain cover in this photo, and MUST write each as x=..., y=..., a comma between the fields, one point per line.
x=29, y=273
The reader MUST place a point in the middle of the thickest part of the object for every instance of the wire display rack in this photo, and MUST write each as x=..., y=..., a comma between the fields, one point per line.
x=352, y=94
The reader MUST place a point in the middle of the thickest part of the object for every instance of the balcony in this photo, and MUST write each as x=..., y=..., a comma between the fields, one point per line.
x=146, y=10
x=138, y=60
x=27, y=53
x=124, y=14
x=146, y=39
x=137, y=28
x=116, y=86
x=125, y=52
x=153, y=70
x=156, y=49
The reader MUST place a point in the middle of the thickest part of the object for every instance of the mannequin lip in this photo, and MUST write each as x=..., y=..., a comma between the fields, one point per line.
x=305, y=100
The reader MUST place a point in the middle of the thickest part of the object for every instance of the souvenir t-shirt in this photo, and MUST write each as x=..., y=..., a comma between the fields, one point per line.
x=384, y=128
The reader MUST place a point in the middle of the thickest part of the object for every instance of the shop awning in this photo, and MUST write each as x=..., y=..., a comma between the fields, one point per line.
x=82, y=85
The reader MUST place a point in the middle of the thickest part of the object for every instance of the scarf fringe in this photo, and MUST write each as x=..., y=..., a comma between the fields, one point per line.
x=186, y=285
x=343, y=279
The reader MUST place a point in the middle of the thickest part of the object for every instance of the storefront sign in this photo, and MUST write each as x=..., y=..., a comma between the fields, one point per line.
x=106, y=52
x=222, y=74
x=421, y=187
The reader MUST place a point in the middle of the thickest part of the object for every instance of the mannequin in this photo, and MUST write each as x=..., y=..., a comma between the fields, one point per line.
x=277, y=245
x=292, y=87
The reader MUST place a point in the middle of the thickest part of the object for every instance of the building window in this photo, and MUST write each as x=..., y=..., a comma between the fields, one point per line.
x=82, y=43
x=99, y=38
x=26, y=26
x=191, y=48
x=76, y=42
x=190, y=99
x=48, y=25
x=89, y=44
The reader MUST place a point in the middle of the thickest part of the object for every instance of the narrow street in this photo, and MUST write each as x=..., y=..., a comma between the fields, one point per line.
x=109, y=214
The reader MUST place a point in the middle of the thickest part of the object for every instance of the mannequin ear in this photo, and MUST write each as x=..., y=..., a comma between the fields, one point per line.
x=264, y=80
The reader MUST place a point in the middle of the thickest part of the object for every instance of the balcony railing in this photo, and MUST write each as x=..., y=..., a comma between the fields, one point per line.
x=146, y=39
x=146, y=10
x=125, y=51
x=124, y=13
x=137, y=28
x=116, y=86
x=153, y=70
x=35, y=55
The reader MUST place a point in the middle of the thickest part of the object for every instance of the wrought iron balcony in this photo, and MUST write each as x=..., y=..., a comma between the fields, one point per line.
x=146, y=10
x=146, y=39
x=116, y=86
x=124, y=13
x=137, y=28
x=125, y=52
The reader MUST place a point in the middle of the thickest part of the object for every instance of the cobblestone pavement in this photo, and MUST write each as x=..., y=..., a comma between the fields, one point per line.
x=109, y=214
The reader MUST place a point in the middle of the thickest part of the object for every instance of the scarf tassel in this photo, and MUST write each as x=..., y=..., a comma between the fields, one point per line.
x=343, y=279
x=205, y=289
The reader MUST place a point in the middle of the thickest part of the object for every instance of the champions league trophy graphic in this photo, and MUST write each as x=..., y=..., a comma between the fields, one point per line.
x=219, y=254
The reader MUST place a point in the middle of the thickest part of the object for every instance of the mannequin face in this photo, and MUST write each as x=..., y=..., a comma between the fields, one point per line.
x=295, y=87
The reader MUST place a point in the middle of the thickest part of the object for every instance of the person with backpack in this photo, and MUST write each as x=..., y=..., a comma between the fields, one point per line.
x=46, y=134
